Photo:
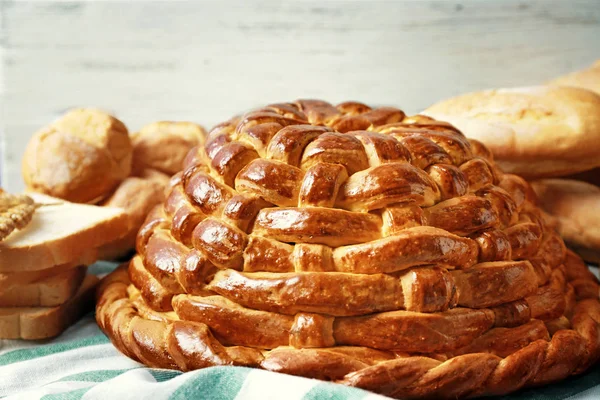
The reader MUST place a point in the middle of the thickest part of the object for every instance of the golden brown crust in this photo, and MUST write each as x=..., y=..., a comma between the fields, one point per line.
x=381, y=251
x=517, y=125
x=507, y=359
x=81, y=157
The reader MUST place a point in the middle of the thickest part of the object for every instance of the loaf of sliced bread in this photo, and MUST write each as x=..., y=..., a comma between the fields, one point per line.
x=45, y=322
x=48, y=292
x=15, y=279
x=60, y=233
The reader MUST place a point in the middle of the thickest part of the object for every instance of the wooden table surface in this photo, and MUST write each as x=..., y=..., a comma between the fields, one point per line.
x=207, y=60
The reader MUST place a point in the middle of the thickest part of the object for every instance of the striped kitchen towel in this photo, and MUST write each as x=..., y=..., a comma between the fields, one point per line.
x=83, y=364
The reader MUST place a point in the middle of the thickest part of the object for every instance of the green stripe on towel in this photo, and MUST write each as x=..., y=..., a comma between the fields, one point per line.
x=95, y=376
x=72, y=395
x=162, y=375
x=217, y=383
x=41, y=351
x=329, y=391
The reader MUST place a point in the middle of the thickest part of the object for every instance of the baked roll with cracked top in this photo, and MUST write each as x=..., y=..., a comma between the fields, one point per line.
x=81, y=157
x=356, y=245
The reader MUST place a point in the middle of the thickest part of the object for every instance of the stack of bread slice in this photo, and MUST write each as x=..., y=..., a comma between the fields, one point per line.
x=44, y=284
x=551, y=136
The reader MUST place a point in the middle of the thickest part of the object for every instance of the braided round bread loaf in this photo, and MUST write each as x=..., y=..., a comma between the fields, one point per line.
x=355, y=245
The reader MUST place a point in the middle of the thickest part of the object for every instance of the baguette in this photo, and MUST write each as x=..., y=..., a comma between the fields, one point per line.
x=534, y=132
x=46, y=322
x=60, y=233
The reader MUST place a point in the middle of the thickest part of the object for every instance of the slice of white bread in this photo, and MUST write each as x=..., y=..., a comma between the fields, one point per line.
x=12, y=279
x=59, y=233
x=49, y=292
x=45, y=322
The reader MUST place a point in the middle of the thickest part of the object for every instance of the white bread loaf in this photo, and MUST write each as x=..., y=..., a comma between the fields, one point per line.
x=48, y=292
x=16, y=279
x=44, y=322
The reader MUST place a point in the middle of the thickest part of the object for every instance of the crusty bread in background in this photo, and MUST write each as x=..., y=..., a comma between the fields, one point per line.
x=588, y=78
x=535, y=132
x=59, y=233
x=81, y=157
x=163, y=145
x=48, y=292
x=136, y=196
x=575, y=208
x=46, y=322
x=589, y=255
x=592, y=176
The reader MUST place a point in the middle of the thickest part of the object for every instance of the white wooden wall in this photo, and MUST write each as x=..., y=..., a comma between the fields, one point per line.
x=206, y=60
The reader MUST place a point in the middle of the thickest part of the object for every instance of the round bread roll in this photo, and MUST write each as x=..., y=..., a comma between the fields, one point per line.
x=163, y=145
x=575, y=208
x=534, y=132
x=137, y=196
x=81, y=157
x=588, y=78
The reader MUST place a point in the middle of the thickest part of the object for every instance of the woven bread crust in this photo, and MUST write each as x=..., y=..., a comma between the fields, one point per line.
x=355, y=245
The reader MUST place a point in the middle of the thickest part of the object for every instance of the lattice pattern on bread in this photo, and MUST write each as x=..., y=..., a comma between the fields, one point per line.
x=356, y=245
